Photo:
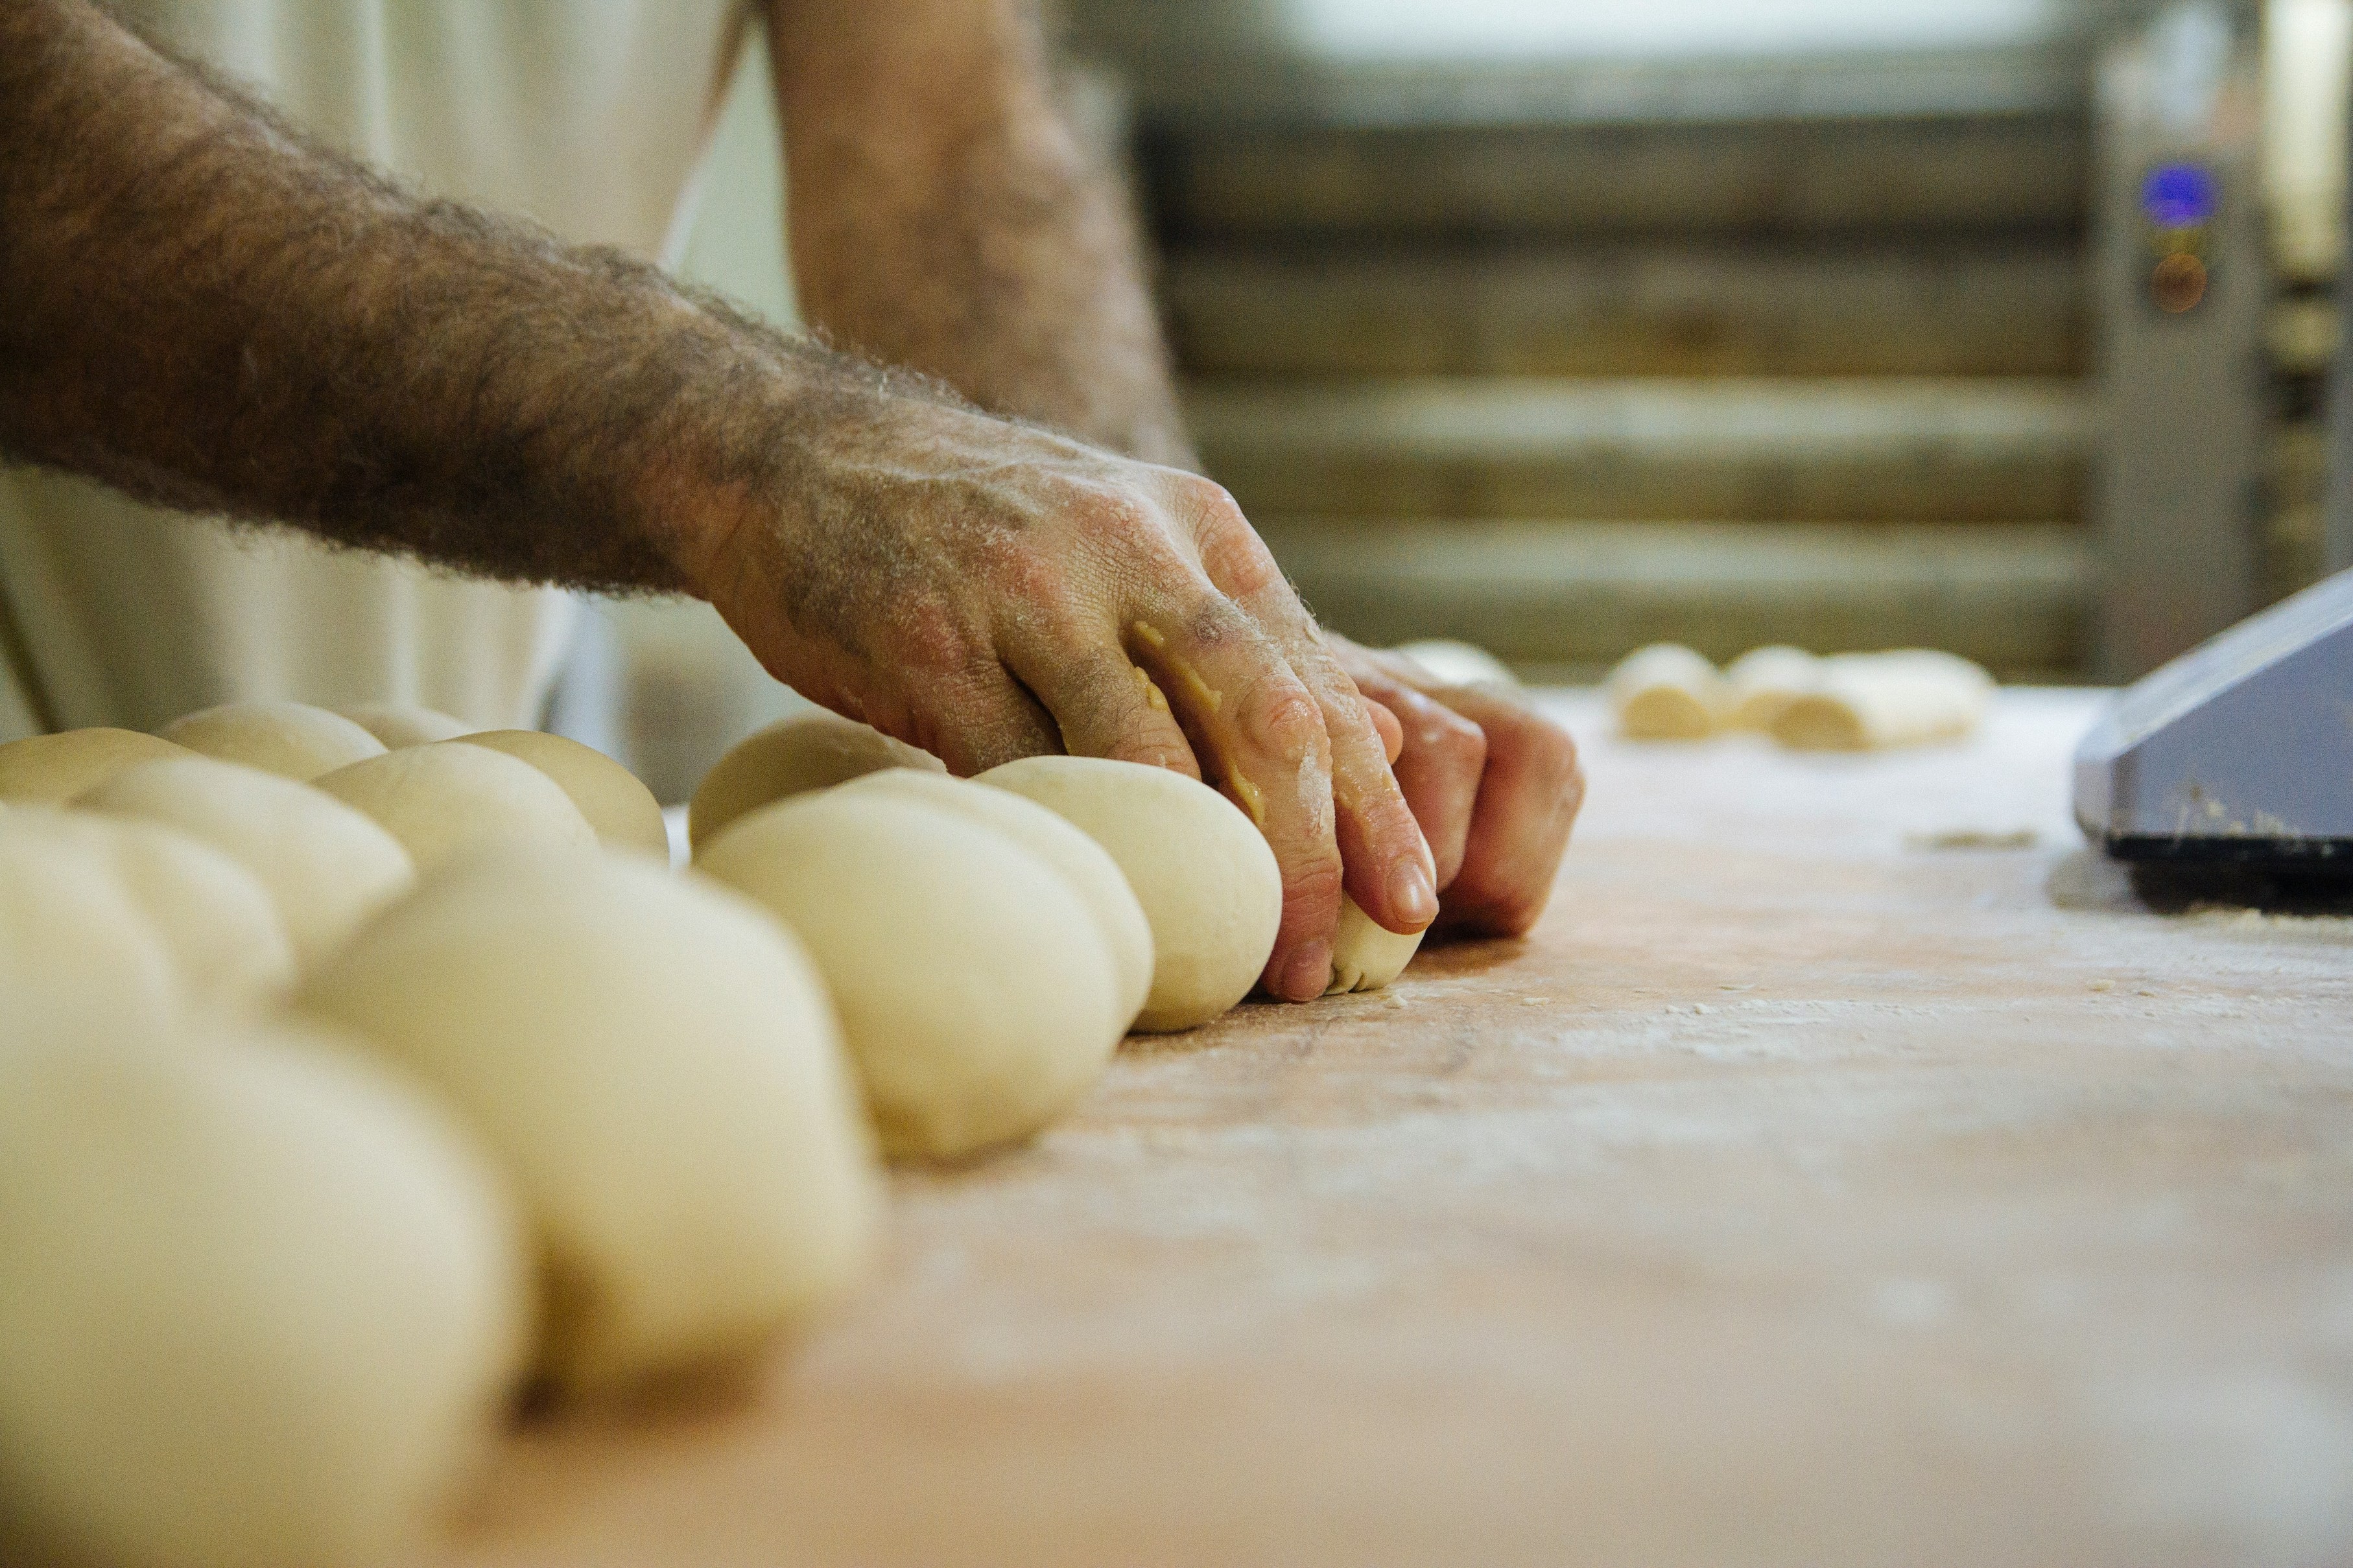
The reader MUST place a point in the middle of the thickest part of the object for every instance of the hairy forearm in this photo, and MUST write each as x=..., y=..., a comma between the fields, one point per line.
x=943, y=217
x=198, y=305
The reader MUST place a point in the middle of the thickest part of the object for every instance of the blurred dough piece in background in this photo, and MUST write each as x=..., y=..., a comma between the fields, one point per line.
x=1766, y=680
x=1864, y=701
x=1667, y=692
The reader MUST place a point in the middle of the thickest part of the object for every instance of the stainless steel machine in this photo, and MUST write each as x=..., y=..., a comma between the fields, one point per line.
x=2238, y=756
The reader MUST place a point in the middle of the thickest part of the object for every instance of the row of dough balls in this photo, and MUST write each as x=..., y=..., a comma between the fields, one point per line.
x=334, y=1112
x=1847, y=702
x=347, y=1086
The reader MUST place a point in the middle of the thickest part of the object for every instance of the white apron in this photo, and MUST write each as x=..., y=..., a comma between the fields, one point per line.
x=589, y=116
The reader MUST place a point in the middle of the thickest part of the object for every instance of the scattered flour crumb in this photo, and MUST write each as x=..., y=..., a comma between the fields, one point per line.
x=1973, y=838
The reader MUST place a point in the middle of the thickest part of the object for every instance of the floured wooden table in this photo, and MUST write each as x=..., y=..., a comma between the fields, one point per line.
x=1850, y=1169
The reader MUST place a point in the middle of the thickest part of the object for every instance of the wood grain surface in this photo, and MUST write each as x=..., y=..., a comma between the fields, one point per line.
x=1848, y=1170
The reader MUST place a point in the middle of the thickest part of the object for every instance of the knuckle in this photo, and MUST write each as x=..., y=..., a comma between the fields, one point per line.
x=1455, y=743
x=1237, y=558
x=1286, y=718
x=1213, y=622
x=1311, y=884
x=1551, y=756
x=1208, y=500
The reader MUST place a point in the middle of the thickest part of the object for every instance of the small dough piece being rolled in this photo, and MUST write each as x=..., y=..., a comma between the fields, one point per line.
x=1208, y=884
x=1868, y=700
x=1366, y=954
x=260, y=1305
x=620, y=809
x=1458, y=663
x=654, y=1061
x=1765, y=681
x=71, y=936
x=215, y=919
x=1083, y=862
x=453, y=799
x=50, y=770
x=397, y=724
x=292, y=740
x=977, y=994
x=327, y=866
x=1667, y=692
x=793, y=756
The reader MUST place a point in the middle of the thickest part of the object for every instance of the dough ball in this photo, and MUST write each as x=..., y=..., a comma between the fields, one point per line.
x=976, y=992
x=1083, y=863
x=1458, y=663
x=1208, y=882
x=71, y=935
x=1764, y=681
x=397, y=725
x=327, y=866
x=620, y=809
x=53, y=769
x=653, y=1060
x=292, y=740
x=227, y=944
x=453, y=799
x=790, y=757
x=259, y=1308
x=1667, y=692
x=1366, y=954
x=1903, y=698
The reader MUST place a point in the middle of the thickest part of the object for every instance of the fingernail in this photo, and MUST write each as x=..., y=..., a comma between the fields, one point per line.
x=1412, y=894
x=1308, y=972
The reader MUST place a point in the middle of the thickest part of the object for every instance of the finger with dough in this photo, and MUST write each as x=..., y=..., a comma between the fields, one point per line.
x=1387, y=867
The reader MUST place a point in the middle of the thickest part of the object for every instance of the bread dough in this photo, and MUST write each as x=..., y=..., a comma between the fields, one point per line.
x=1764, y=681
x=1866, y=701
x=619, y=808
x=1366, y=954
x=790, y=757
x=977, y=994
x=53, y=769
x=452, y=798
x=70, y=933
x=1208, y=884
x=1667, y=692
x=228, y=946
x=292, y=740
x=1083, y=862
x=327, y=866
x=397, y=725
x=653, y=1060
x=259, y=1305
x=1458, y=663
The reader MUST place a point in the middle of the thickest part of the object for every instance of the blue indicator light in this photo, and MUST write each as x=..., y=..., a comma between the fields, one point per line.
x=2178, y=195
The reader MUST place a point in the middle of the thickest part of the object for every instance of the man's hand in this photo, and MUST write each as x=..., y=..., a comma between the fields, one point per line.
x=1495, y=785
x=988, y=590
x=201, y=306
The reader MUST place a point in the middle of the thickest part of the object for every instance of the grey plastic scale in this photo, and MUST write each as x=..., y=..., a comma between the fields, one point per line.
x=2237, y=754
